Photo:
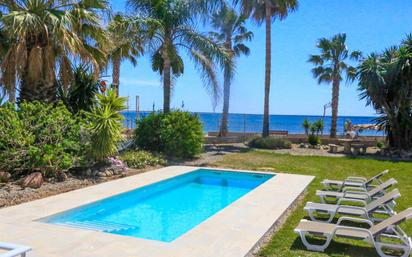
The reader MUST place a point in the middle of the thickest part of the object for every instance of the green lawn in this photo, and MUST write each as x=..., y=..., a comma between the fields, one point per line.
x=285, y=242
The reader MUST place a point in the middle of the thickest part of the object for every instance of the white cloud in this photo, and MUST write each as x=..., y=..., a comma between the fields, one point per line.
x=138, y=82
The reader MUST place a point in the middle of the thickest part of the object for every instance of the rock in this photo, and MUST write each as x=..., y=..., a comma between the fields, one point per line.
x=101, y=174
x=108, y=173
x=61, y=176
x=89, y=172
x=95, y=172
x=34, y=180
x=4, y=176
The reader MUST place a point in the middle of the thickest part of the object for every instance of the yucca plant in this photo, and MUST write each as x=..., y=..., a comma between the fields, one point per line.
x=106, y=125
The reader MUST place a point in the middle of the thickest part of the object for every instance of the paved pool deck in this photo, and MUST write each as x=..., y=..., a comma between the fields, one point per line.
x=232, y=232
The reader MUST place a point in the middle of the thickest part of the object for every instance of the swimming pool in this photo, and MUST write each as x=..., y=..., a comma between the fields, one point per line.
x=164, y=210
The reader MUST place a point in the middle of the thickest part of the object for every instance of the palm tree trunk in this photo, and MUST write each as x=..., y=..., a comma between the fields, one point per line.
x=116, y=74
x=166, y=84
x=12, y=93
x=27, y=89
x=268, y=64
x=335, y=104
x=226, y=97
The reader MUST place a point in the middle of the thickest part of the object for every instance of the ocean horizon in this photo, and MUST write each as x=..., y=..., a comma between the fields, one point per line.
x=253, y=122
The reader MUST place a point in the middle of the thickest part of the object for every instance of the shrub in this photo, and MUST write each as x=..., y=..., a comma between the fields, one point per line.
x=106, y=125
x=81, y=95
x=314, y=140
x=270, y=143
x=140, y=159
x=312, y=131
x=178, y=134
x=38, y=136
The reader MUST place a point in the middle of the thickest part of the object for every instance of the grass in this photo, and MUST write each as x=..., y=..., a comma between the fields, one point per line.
x=285, y=243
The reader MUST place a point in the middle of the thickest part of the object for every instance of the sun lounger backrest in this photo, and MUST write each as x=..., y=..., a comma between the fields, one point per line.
x=394, y=220
x=386, y=198
x=382, y=186
x=377, y=176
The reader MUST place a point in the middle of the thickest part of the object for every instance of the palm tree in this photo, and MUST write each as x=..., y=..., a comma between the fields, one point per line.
x=45, y=37
x=385, y=81
x=126, y=44
x=171, y=25
x=330, y=65
x=8, y=81
x=267, y=11
x=231, y=33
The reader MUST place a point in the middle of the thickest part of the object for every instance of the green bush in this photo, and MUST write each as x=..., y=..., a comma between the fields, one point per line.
x=270, y=143
x=38, y=136
x=140, y=159
x=312, y=131
x=314, y=140
x=81, y=93
x=178, y=134
x=106, y=125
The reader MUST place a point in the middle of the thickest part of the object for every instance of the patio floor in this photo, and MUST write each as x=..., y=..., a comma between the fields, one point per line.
x=233, y=231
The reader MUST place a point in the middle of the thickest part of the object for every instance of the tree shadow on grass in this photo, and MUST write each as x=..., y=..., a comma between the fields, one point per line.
x=337, y=248
x=225, y=149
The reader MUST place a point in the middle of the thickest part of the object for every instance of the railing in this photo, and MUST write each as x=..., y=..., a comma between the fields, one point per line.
x=252, y=123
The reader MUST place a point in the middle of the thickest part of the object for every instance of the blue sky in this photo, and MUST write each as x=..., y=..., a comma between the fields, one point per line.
x=370, y=25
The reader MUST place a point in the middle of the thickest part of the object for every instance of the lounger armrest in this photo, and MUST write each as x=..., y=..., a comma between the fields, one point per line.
x=355, y=193
x=352, y=228
x=352, y=207
x=343, y=199
x=358, y=220
x=349, y=188
x=356, y=179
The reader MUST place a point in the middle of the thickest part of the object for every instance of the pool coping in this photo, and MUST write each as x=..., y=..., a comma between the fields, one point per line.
x=230, y=232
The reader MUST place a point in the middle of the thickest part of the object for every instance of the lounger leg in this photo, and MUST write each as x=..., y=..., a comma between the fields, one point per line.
x=405, y=249
x=313, y=217
x=312, y=247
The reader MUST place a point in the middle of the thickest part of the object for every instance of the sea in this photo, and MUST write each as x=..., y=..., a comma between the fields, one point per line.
x=253, y=122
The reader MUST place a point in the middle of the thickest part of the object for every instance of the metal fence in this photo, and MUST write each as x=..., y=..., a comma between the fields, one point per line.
x=252, y=123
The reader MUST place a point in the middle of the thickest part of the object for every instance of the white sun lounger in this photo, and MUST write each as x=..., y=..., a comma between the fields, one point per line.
x=356, y=193
x=381, y=205
x=13, y=250
x=387, y=229
x=338, y=185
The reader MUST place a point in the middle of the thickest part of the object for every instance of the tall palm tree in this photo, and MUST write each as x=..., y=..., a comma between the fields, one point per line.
x=45, y=37
x=267, y=11
x=126, y=44
x=172, y=25
x=331, y=66
x=231, y=33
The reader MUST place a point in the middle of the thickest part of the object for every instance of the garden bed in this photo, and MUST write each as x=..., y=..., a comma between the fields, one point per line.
x=13, y=193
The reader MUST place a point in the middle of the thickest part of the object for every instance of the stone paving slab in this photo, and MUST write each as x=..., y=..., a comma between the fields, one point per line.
x=232, y=232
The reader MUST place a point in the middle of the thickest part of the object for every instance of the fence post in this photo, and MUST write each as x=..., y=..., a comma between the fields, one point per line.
x=244, y=125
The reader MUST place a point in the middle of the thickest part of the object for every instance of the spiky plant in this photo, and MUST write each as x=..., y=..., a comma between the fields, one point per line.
x=106, y=125
x=385, y=81
x=45, y=36
x=172, y=28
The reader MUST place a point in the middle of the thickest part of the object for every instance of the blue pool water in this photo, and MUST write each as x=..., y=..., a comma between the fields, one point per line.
x=165, y=210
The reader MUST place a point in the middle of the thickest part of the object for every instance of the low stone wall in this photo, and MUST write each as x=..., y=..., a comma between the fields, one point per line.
x=232, y=138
